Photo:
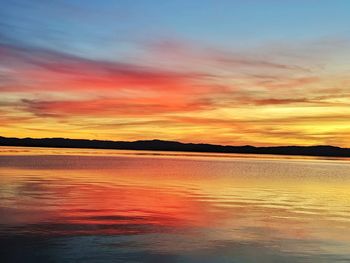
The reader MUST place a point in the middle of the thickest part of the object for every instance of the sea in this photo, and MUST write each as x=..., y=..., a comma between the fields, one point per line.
x=87, y=205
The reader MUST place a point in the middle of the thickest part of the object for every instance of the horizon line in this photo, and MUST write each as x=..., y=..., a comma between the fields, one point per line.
x=176, y=141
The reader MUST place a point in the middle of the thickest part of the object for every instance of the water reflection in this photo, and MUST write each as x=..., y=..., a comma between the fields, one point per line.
x=122, y=208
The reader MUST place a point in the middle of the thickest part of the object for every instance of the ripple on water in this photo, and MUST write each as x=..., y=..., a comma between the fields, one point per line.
x=173, y=209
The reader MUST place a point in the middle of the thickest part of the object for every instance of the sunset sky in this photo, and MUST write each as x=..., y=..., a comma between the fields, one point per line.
x=258, y=72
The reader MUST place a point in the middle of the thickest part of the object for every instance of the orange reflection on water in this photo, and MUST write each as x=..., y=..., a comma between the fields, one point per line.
x=92, y=203
x=300, y=206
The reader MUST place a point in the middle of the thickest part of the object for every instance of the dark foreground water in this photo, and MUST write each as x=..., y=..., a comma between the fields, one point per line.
x=59, y=205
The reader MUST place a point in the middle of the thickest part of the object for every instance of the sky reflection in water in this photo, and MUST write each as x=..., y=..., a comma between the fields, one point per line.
x=113, y=206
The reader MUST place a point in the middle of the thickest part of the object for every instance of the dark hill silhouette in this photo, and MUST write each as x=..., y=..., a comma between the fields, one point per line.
x=159, y=145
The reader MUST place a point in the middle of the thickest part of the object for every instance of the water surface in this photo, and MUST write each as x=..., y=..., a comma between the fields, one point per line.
x=74, y=205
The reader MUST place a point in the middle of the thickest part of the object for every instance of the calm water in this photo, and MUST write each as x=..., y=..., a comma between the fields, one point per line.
x=59, y=205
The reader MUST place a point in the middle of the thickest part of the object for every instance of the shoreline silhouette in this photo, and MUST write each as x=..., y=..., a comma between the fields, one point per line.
x=162, y=145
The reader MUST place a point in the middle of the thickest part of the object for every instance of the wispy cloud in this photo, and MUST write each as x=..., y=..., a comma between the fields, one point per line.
x=192, y=90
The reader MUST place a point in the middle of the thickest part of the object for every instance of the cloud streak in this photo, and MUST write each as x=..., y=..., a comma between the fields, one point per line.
x=193, y=92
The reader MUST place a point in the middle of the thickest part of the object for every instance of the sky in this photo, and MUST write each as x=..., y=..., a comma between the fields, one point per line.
x=257, y=72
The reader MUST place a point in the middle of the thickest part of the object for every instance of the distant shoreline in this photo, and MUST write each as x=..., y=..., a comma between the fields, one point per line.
x=172, y=146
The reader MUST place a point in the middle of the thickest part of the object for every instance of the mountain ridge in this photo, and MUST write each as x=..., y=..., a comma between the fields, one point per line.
x=165, y=145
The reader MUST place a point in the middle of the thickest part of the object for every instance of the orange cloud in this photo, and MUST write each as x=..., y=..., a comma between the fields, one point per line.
x=197, y=93
x=112, y=107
